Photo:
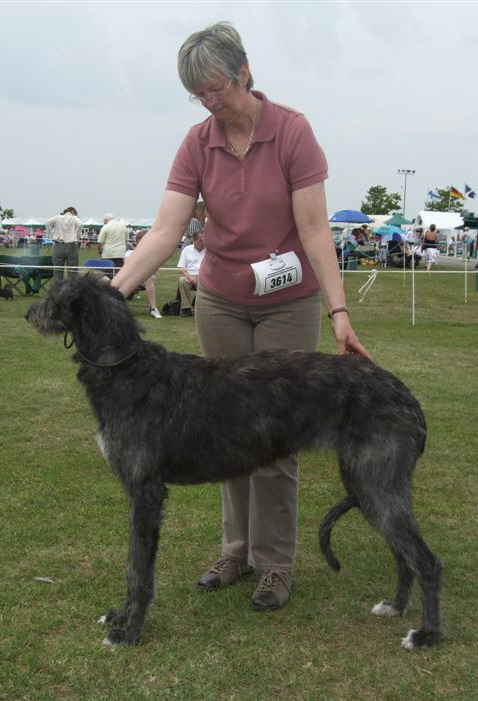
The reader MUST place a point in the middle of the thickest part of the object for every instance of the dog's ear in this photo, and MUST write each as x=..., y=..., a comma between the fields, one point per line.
x=99, y=309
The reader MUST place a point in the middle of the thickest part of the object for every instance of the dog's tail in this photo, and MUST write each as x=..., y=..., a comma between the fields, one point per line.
x=329, y=522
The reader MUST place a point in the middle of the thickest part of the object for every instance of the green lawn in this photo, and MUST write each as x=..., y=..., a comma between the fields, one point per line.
x=64, y=516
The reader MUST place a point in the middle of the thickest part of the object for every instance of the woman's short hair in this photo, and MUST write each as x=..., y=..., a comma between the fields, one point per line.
x=70, y=210
x=140, y=234
x=216, y=49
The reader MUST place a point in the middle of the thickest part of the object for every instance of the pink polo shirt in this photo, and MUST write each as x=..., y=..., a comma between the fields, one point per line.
x=249, y=202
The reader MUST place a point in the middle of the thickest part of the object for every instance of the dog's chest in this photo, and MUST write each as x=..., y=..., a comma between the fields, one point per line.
x=103, y=445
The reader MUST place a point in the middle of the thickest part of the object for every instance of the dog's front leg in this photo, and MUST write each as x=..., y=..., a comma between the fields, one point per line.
x=145, y=519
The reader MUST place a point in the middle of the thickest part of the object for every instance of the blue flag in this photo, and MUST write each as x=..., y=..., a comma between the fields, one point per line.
x=433, y=195
x=469, y=192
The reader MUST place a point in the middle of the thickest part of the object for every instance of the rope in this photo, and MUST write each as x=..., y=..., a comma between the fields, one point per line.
x=368, y=284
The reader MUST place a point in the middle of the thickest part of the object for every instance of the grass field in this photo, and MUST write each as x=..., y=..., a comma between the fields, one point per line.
x=64, y=516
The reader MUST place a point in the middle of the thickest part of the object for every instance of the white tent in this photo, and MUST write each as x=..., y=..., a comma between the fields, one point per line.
x=145, y=223
x=445, y=222
x=16, y=221
x=379, y=220
x=92, y=221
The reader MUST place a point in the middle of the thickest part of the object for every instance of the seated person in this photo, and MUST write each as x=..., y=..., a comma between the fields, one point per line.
x=150, y=284
x=189, y=263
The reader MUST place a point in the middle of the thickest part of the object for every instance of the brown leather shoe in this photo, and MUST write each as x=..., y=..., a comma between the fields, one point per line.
x=222, y=573
x=273, y=591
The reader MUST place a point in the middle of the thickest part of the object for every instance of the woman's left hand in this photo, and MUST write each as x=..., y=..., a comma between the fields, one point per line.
x=345, y=336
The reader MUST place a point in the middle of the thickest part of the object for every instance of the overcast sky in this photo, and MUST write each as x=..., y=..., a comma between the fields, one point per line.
x=92, y=110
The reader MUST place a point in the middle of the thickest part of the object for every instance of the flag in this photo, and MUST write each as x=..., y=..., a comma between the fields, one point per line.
x=456, y=193
x=433, y=195
x=469, y=192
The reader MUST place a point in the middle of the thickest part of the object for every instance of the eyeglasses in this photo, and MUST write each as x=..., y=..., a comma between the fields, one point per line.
x=211, y=95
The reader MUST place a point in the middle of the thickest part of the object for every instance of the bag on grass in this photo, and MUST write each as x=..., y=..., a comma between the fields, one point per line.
x=171, y=308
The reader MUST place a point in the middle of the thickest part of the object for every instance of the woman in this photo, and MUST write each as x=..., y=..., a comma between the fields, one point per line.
x=260, y=172
x=65, y=230
x=430, y=247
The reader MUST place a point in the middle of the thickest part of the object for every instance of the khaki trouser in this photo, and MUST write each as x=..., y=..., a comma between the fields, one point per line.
x=185, y=292
x=259, y=510
x=65, y=254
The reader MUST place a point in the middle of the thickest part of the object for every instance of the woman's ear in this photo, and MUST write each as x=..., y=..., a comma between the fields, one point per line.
x=243, y=75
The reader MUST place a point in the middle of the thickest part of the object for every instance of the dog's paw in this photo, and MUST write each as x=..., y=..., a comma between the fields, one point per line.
x=115, y=637
x=385, y=608
x=420, y=638
x=121, y=636
x=408, y=642
x=113, y=618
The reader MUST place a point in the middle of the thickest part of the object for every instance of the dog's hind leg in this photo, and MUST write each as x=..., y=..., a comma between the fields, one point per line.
x=145, y=520
x=392, y=516
x=428, y=569
x=397, y=606
x=380, y=478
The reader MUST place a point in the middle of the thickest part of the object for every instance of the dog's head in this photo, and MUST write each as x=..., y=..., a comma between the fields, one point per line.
x=92, y=311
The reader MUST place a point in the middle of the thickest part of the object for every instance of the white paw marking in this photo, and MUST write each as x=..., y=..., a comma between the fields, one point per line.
x=407, y=642
x=108, y=643
x=384, y=609
x=101, y=620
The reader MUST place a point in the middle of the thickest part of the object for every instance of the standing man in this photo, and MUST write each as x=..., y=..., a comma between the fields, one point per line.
x=65, y=229
x=189, y=263
x=113, y=239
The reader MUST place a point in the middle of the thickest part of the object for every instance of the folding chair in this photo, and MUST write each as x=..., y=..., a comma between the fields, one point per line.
x=41, y=273
x=34, y=278
x=101, y=265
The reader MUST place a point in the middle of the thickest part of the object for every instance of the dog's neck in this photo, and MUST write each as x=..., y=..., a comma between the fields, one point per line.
x=107, y=364
x=107, y=357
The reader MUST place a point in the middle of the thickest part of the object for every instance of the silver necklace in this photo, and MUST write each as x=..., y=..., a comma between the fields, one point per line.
x=241, y=154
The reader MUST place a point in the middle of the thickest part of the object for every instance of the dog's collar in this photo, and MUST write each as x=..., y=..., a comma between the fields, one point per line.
x=92, y=362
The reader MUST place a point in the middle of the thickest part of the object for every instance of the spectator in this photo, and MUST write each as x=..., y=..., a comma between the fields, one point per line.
x=149, y=284
x=189, y=263
x=430, y=247
x=468, y=243
x=451, y=250
x=113, y=239
x=196, y=224
x=383, y=251
x=65, y=230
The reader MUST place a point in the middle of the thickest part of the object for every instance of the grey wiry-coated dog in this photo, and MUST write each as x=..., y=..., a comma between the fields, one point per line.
x=165, y=417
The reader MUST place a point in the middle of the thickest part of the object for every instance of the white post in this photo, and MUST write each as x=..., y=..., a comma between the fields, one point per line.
x=413, y=288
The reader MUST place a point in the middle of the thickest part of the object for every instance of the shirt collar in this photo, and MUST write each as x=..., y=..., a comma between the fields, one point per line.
x=265, y=131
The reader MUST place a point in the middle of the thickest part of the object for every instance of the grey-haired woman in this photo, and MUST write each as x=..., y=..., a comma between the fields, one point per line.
x=270, y=258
